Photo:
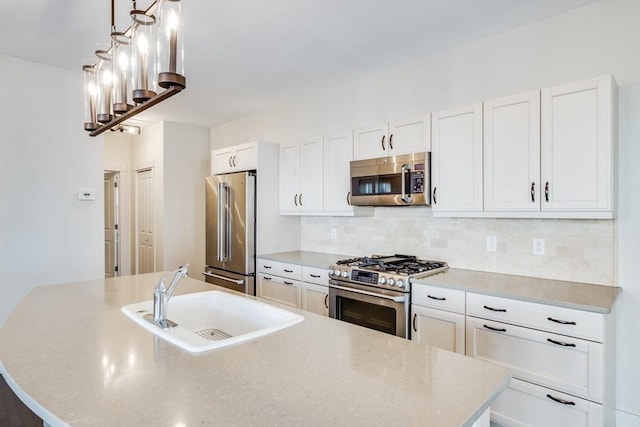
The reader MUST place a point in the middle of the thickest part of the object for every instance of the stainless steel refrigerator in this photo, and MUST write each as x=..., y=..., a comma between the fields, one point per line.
x=230, y=227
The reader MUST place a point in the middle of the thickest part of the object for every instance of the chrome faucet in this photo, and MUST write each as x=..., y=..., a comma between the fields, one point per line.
x=161, y=297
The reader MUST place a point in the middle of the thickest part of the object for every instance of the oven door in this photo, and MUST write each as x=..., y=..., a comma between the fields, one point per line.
x=381, y=310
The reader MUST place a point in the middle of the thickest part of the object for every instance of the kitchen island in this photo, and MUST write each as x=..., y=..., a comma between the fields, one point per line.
x=75, y=359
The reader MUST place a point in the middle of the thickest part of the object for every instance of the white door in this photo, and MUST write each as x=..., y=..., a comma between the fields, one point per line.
x=337, y=153
x=289, y=165
x=577, y=146
x=145, y=222
x=310, y=175
x=370, y=142
x=456, y=159
x=512, y=153
x=410, y=135
x=111, y=238
x=438, y=328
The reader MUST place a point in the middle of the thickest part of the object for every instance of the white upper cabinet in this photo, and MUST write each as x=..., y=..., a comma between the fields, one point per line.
x=301, y=177
x=456, y=160
x=578, y=146
x=393, y=138
x=234, y=159
x=512, y=153
x=338, y=152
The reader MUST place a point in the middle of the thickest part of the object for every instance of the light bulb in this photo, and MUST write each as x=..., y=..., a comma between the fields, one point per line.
x=172, y=21
x=92, y=90
x=107, y=77
x=143, y=44
x=123, y=61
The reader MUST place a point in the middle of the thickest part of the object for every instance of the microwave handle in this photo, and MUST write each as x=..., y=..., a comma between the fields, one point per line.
x=407, y=198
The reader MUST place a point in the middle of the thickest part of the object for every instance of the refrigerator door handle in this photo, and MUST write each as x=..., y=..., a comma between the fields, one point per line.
x=224, y=231
x=217, y=276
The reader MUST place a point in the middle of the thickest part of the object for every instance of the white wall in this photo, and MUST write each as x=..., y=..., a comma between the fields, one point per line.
x=598, y=39
x=187, y=163
x=47, y=235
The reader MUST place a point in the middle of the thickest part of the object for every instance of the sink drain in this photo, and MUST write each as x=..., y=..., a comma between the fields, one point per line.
x=213, y=334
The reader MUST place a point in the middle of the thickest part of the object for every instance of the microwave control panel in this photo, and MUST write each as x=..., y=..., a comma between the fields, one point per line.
x=417, y=180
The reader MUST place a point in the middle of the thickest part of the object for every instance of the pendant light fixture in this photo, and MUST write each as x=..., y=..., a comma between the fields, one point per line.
x=124, y=79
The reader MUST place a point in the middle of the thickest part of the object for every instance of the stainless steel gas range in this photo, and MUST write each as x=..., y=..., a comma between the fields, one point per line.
x=375, y=292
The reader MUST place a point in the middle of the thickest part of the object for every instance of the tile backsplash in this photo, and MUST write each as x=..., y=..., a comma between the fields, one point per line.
x=575, y=250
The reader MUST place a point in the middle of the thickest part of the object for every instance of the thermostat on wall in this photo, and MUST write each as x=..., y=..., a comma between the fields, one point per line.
x=86, y=194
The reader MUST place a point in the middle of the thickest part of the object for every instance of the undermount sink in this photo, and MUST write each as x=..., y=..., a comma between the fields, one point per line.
x=213, y=319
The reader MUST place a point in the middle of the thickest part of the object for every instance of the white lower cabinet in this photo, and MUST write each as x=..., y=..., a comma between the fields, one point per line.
x=278, y=289
x=525, y=404
x=315, y=298
x=438, y=317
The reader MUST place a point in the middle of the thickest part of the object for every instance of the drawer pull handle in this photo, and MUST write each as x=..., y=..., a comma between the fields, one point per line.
x=562, y=322
x=502, y=310
x=287, y=283
x=415, y=316
x=288, y=271
x=564, y=344
x=266, y=277
x=495, y=329
x=267, y=266
x=564, y=402
x=436, y=298
x=317, y=276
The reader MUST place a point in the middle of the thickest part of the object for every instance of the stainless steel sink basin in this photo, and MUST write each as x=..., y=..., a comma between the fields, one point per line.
x=214, y=319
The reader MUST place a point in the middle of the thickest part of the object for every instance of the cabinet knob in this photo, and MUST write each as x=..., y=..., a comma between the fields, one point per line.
x=233, y=160
x=383, y=137
x=435, y=201
x=326, y=301
x=546, y=191
x=391, y=141
x=415, y=316
x=230, y=165
x=564, y=402
x=533, y=192
x=300, y=199
x=295, y=199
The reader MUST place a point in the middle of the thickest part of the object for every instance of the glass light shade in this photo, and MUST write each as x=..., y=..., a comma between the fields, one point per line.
x=104, y=84
x=143, y=56
x=90, y=92
x=121, y=72
x=170, y=44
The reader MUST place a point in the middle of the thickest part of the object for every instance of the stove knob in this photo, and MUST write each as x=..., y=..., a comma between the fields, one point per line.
x=400, y=283
x=382, y=280
x=345, y=274
x=330, y=272
x=390, y=282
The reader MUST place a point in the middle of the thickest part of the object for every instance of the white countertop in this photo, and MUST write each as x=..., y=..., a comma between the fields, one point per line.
x=306, y=258
x=581, y=296
x=76, y=359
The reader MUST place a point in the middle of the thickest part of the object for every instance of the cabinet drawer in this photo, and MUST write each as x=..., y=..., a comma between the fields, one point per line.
x=319, y=276
x=277, y=268
x=565, y=321
x=279, y=289
x=437, y=297
x=568, y=364
x=524, y=404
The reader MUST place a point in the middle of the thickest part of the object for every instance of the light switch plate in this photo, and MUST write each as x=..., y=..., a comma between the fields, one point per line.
x=86, y=194
x=492, y=244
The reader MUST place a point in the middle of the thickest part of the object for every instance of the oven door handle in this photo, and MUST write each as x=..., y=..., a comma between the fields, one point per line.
x=371, y=294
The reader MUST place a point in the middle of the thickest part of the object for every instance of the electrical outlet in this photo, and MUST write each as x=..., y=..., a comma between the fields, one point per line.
x=492, y=244
x=538, y=247
x=333, y=234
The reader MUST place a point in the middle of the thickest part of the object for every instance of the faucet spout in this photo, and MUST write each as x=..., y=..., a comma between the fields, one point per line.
x=161, y=297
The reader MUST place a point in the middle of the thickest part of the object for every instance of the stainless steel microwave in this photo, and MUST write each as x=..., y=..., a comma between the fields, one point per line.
x=392, y=181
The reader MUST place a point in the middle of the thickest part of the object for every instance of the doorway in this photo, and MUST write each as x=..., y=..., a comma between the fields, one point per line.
x=145, y=222
x=111, y=224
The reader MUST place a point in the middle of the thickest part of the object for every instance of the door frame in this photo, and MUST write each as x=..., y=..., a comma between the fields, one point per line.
x=116, y=219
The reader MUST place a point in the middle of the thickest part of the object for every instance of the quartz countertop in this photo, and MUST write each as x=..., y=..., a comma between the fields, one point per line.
x=581, y=296
x=306, y=258
x=71, y=354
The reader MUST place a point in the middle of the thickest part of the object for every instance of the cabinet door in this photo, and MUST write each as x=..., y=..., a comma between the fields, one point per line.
x=577, y=140
x=289, y=159
x=456, y=160
x=315, y=298
x=338, y=152
x=438, y=328
x=278, y=289
x=410, y=136
x=310, y=176
x=245, y=157
x=563, y=363
x=512, y=153
x=370, y=142
x=221, y=161
x=523, y=404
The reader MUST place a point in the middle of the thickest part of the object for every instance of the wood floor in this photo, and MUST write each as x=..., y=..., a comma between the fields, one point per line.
x=14, y=413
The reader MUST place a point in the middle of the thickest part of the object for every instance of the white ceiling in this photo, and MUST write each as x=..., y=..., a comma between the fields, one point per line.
x=243, y=56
